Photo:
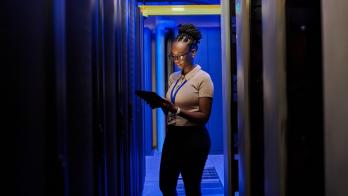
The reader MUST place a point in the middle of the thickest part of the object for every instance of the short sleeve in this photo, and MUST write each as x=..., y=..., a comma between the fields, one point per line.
x=206, y=87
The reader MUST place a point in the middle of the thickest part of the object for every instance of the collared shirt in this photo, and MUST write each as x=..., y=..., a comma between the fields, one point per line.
x=199, y=84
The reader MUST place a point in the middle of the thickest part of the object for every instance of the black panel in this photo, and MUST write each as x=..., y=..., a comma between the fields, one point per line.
x=28, y=76
x=98, y=100
x=256, y=100
x=79, y=97
x=305, y=171
x=234, y=101
x=110, y=105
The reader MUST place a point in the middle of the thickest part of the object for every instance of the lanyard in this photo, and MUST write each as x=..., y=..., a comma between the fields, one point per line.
x=172, y=96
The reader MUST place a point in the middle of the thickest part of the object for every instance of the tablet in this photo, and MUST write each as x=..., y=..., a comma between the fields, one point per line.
x=151, y=98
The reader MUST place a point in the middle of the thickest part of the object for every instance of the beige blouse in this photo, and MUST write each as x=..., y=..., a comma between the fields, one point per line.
x=198, y=84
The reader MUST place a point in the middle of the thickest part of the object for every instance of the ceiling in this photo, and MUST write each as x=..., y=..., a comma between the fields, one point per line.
x=179, y=2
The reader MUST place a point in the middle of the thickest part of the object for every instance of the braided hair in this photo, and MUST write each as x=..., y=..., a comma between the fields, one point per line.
x=190, y=34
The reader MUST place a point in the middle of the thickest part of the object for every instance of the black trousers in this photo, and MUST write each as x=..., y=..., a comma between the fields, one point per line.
x=185, y=151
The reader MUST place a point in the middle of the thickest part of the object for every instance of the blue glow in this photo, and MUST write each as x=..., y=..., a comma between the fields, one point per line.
x=59, y=29
x=160, y=88
x=160, y=77
x=147, y=86
x=238, y=7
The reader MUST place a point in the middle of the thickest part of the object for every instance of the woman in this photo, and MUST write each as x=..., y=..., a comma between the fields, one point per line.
x=189, y=100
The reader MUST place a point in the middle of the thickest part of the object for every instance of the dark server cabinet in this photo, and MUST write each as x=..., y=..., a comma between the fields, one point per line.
x=293, y=103
x=72, y=70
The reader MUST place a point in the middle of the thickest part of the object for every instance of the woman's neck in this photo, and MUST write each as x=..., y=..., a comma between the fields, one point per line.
x=187, y=69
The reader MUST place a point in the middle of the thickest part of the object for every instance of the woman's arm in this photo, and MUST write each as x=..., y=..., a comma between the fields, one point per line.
x=200, y=117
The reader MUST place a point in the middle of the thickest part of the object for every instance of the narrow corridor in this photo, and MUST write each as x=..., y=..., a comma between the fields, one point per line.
x=279, y=115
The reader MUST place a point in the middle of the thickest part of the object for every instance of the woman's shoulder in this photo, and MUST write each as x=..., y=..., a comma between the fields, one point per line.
x=203, y=75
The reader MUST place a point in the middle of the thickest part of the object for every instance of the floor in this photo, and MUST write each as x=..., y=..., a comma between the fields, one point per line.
x=212, y=182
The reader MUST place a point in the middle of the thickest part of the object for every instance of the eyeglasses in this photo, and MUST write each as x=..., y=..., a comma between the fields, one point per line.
x=177, y=57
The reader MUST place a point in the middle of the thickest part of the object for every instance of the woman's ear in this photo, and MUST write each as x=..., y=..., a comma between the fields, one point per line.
x=194, y=52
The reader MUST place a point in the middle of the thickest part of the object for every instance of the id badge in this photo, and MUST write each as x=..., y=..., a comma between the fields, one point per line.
x=171, y=118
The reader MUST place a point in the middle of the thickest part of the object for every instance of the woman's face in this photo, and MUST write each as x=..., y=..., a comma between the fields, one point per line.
x=181, y=54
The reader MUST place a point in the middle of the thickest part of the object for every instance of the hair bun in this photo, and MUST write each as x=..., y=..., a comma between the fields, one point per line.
x=190, y=30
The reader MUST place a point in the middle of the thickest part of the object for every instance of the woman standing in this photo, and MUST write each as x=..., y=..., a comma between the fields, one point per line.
x=189, y=101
